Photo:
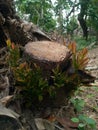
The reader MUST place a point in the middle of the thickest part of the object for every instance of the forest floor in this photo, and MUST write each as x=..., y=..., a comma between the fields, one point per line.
x=90, y=93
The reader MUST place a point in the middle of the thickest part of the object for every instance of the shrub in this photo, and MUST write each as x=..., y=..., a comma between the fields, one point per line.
x=30, y=83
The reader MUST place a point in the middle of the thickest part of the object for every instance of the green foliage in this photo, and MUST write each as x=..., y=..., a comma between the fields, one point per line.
x=60, y=15
x=76, y=120
x=82, y=43
x=30, y=81
x=78, y=104
x=62, y=79
x=58, y=78
x=79, y=58
x=93, y=13
x=39, y=11
x=32, y=85
x=14, y=54
x=89, y=10
x=84, y=121
x=71, y=25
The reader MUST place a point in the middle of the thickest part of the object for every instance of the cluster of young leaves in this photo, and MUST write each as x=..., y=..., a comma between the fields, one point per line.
x=14, y=53
x=30, y=82
x=70, y=83
x=79, y=58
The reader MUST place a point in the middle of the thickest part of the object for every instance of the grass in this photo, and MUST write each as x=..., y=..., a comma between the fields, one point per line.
x=82, y=43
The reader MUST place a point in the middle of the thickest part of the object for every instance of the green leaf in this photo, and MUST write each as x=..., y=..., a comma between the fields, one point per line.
x=81, y=125
x=78, y=104
x=91, y=122
x=75, y=120
x=88, y=121
x=40, y=97
x=82, y=117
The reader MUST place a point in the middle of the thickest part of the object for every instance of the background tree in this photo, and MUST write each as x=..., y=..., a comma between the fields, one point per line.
x=62, y=15
x=93, y=16
x=71, y=26
x=40, y=12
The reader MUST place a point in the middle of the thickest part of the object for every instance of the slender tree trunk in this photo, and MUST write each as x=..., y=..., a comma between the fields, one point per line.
x=82, y=14
x=97, y=37
x=83, y=25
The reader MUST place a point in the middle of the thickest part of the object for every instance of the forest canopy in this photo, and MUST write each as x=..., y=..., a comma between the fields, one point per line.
x=67, y=16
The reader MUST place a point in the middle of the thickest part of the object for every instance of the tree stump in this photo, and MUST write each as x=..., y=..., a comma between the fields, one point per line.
x=48, y=55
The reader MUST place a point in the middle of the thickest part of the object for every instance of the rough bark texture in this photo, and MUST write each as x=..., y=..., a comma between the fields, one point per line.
x=83, y=25
x=82, y=17
x=12, y=27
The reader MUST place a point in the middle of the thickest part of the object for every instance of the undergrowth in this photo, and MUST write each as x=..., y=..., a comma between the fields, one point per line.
x=85, y=122
x=31, y=85
x=82, y=43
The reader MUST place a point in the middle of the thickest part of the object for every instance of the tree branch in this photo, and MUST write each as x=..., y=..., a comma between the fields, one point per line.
x=72, y=10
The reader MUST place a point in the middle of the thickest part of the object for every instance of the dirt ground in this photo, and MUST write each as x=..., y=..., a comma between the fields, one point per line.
x=90, y=93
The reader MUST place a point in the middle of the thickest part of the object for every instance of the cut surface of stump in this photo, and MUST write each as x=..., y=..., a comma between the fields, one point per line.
x=47, y=54
x=47, y=51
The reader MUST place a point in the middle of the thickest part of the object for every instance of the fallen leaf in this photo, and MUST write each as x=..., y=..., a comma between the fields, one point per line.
x=67, y=123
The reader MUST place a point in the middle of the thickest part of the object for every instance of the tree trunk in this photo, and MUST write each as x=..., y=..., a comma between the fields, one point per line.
x=81, y=15
x=83, y=26
x=12, y=27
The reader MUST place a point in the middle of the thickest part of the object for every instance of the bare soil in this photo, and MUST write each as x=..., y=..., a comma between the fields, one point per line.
x=90, y=93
